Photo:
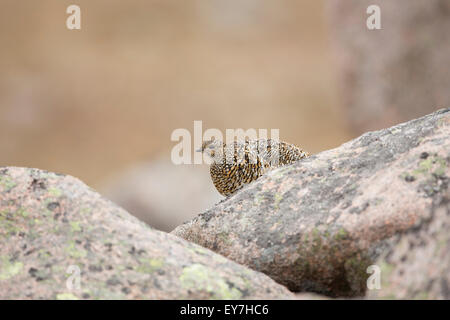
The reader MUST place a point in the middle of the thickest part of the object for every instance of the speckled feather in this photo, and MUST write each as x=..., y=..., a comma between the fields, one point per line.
x=242, y=162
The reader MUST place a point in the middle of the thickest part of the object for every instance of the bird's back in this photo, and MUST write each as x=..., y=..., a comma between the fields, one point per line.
x=244, y=162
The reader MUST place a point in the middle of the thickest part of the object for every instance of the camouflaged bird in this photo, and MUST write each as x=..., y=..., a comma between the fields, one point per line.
x=242, y=162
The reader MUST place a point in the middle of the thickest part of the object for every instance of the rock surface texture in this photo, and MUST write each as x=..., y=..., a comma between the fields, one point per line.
x=417, y=267
x=55, y=230
x=318, y=224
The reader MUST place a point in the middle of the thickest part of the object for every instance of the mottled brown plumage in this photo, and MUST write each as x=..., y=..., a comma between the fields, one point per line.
x=242, y=162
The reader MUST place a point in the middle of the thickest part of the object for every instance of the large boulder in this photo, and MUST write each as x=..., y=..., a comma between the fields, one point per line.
x=417, y=266
x=54, y=231
x=317, y=225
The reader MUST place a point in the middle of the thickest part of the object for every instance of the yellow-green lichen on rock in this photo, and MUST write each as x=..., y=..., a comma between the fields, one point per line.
x=200, y=277
x=8, y=268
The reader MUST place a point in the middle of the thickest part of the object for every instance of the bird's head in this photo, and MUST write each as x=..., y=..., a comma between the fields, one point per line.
x=212, y=148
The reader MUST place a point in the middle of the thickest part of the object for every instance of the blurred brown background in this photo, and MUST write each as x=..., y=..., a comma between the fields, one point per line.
x=91, y=102
x=95, y=102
